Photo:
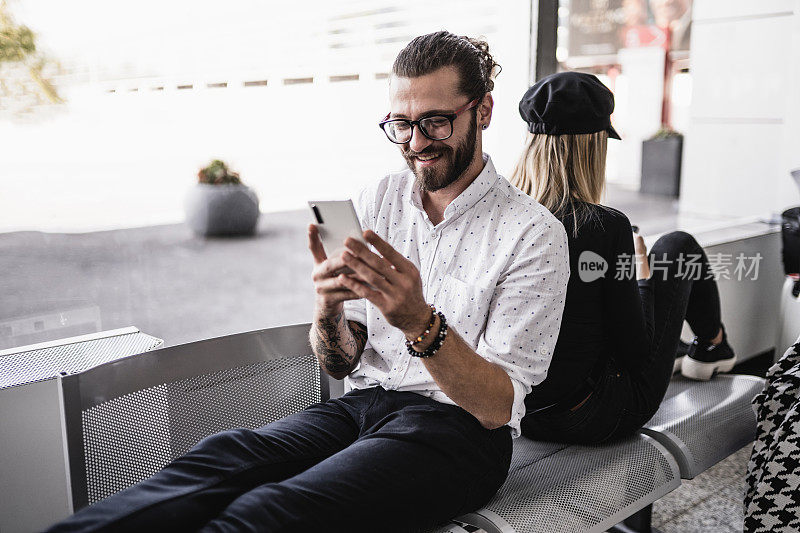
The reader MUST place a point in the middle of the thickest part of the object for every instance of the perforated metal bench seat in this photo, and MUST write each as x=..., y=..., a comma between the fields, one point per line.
x=46, y=360
x=701, y=423
x=554, y=488
x=455, y=528
x=34, y=487
x=127, y=419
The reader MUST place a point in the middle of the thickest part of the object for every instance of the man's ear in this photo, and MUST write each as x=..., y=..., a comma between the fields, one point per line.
x=485, y=111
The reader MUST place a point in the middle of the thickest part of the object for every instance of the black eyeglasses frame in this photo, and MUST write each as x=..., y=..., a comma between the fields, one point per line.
x=411, y=123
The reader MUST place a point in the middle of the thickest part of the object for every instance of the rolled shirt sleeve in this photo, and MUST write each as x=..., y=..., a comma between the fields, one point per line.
x=525, y=314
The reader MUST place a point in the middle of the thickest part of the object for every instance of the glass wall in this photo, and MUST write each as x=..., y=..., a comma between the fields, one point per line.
x=287, y=93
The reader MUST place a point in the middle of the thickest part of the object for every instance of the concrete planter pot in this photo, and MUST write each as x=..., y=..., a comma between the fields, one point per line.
x=661, y=166
x=221, y=209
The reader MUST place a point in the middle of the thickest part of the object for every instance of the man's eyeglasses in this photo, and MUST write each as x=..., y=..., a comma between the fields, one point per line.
x=435, y=128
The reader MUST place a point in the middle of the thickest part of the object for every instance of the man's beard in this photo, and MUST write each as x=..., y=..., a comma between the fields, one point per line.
x=433, y=179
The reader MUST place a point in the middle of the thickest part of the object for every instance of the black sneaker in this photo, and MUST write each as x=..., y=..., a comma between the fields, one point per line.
x=704, y=359
x=683, y=349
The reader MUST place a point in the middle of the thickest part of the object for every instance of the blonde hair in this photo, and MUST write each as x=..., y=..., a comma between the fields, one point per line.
x=563, y=171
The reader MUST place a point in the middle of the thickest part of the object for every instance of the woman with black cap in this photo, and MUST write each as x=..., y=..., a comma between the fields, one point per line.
x=621, y=326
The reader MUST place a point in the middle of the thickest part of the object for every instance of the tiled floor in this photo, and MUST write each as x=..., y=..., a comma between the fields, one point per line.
x=709, y=503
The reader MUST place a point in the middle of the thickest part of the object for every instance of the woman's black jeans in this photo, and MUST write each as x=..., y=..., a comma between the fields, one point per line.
x=623, y=400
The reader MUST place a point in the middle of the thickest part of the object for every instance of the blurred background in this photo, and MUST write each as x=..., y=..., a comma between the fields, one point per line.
x=153, y=91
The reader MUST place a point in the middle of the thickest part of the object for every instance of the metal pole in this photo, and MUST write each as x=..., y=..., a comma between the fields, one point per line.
x=546, y=12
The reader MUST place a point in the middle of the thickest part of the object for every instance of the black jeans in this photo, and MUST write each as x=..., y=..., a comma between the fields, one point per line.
x=372, y=460
x=623, y=400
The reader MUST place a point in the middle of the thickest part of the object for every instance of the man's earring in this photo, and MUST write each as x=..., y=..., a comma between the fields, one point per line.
x=484, y=126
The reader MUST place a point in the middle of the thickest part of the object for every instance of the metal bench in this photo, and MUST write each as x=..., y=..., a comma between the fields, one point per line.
x=556, y=488
x=46, y=360
x=700, y=424
x=703, y=423
x=127, y=418
x=33, y=454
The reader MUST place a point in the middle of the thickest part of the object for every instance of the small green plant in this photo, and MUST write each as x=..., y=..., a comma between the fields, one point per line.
x=23, y=69
x=217, y=173
x=665, y=133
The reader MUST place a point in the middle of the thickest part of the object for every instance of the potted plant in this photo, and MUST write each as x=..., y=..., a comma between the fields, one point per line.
x=661, y=163
x=220, y=204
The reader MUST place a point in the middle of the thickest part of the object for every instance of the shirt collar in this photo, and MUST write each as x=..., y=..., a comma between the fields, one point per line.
x=476, y=190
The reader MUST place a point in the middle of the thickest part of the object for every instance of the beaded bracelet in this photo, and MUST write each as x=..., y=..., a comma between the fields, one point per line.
x=428, y=329
x=437, y=342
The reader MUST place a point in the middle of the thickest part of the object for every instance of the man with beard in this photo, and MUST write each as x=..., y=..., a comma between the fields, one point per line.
x=435, y=394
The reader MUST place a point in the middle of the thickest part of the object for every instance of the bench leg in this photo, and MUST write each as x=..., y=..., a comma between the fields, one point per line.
x=637, y=523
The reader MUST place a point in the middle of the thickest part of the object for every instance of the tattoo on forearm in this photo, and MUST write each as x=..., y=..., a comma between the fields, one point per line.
x=335, y=362
x=359, y=332
x=338, y=343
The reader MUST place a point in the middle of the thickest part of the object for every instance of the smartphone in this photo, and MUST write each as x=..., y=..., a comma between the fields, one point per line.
x=336, y=220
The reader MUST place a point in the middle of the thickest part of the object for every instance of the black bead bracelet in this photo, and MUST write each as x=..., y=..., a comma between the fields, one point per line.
x=428, y=329
x=437, y=342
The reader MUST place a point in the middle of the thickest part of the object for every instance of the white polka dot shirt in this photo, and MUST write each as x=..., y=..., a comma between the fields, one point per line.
x=497, y=266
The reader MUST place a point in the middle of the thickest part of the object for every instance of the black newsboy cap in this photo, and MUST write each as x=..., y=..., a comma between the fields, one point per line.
x=568, y=103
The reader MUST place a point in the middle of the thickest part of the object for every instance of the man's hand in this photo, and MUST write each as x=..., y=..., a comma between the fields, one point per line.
x=331, y=293
x=396, y=287
x=482, y=388
x=337, y=342
x=477, y=385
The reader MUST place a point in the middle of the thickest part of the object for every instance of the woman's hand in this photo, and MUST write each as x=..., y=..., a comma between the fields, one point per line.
x=642, y=266
x=639, y=246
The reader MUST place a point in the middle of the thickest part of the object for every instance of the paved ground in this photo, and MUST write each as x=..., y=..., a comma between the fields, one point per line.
x=179, y=287
x=161, y=279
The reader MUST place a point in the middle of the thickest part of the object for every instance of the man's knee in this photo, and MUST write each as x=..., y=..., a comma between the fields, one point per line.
x=224, y=449
x=226, y=439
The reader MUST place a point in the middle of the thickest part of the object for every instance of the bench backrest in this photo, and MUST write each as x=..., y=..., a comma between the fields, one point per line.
x=127, y=419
